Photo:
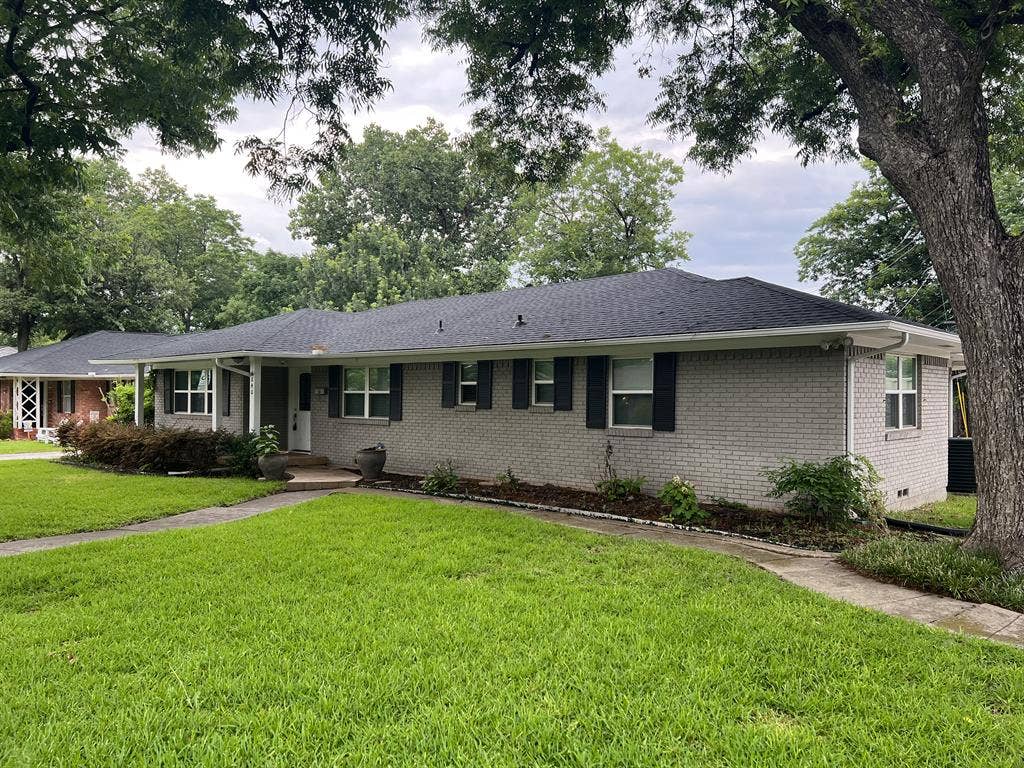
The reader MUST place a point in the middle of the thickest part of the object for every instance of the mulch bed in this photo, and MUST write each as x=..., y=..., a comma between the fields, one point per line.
x=760, y=523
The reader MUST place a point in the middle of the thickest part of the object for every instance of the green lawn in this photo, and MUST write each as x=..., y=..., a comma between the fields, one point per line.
x=26, y=446
x=44, y=498
x=365, y=630
x=955, y=512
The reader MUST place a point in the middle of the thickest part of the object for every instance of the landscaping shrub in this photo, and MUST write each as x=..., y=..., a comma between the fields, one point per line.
x=938, y=565
x=6, y=425
x=244, y=451
x=130, y=448
x=681, y=498
x=442, y=478
x=508, y=481
x=621, y=488
x=615, y=488
x=834, y=490
x=121, y=399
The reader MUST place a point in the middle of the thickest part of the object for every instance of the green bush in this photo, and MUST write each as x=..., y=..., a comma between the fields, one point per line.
x=442, y=478
x=244, y=451
x=938, y=565
x=621, y=488
x=129, y=448
x=508, y=481
x=6, y=425
x=121, y=398
x=834, y=490
x=681, y=498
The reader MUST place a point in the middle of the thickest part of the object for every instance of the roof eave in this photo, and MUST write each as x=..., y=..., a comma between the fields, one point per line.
x=932, y=334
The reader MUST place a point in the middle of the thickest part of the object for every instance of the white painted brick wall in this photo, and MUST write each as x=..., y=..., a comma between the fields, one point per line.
x=737, y=413
x=914, y=459
x=233, y=423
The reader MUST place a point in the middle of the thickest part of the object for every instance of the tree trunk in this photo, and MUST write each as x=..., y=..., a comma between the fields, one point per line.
x=24, y=331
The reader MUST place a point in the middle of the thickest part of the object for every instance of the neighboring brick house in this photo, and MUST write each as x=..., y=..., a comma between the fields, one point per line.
x=46, y=385
x=713, y=380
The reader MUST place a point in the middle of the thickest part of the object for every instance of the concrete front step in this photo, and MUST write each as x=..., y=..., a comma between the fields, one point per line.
x=320, y=477
x=306, y=460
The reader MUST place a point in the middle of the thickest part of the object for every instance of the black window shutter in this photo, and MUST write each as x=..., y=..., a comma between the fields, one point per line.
x=563, y=384
x=664, y=411
x=333, y=391
x=225, y=393
x=448, y=385
x=168, y=390
x=60, y=397
x=521, y=383
x=71, y=384
x=395, y=399
x=597, y=392
x=485, y=375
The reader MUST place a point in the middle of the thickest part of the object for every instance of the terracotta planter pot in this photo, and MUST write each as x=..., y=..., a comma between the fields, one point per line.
x=371, y=462
x=273, y=465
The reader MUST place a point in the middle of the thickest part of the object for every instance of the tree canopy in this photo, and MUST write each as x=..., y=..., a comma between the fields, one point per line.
x=611, y=214
x=869, y=250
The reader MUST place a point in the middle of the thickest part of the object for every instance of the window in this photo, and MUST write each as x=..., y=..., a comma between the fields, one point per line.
x=632, y=392
x=67, y=396
x=193, y=392
x=367, y=392
x=543, y=382
x=900, y=392
x=467, y=383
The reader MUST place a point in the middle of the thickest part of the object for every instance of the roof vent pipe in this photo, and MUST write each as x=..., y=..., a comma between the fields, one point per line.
x=520, y=321
x=440, y=326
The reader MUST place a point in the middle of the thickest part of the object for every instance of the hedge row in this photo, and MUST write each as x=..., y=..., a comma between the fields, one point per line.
x=129, y=448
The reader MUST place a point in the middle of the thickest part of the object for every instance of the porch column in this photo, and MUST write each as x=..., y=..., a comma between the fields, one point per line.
x=140, y=395
x=255, y=392
x=215, y=385
x=16, y=402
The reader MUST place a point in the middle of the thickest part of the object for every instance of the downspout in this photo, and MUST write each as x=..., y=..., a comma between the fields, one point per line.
x=904, y=340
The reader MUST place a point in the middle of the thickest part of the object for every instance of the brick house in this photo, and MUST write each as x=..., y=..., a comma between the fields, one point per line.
x=713, y=380
x=46, y=385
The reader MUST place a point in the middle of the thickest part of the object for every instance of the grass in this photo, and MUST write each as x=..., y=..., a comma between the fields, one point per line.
x=45, y=498
x=365, y=630
x=26, y=446
x=957, y=511
x=939, y=565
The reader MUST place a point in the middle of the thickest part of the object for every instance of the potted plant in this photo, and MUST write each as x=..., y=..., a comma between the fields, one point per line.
x=371, y=461
x=271, y=461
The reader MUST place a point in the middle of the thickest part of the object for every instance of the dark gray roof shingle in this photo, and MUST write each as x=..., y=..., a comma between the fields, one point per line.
x=72, y=357
x=640, y=304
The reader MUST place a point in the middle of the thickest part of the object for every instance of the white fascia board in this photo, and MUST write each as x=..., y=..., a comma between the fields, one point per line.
x=794, y=335
x=65, y=376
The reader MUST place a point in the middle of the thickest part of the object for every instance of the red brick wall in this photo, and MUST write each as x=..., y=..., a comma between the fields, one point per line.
x=6, y=387
x=88, y=398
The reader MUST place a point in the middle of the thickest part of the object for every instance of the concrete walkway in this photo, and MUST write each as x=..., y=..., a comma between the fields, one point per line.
x=818, y=571
x=37, y=455
x=194, y=519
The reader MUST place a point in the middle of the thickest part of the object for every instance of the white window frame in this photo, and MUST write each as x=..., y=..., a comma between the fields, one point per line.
x=366, y=391
x=207, y=393
x=612, y=392
x=916, y=391
x=66, y=395
x=475, y=383
x=534, y=381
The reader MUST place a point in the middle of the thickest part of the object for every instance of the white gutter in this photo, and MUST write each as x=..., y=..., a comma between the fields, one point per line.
x=218, y=364
x=904, y=340
x=867, y=327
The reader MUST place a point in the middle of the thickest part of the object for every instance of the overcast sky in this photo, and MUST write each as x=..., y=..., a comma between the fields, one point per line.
x=744, y=223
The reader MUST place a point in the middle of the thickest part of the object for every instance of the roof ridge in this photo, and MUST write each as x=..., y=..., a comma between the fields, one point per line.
x=814, y=298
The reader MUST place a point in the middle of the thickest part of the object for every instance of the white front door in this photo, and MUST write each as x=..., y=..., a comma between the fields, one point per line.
x=300, y=397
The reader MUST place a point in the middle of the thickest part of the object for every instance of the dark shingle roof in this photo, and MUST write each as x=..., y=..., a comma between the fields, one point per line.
x=72, y=357
x=640, y=304
x=4, y=351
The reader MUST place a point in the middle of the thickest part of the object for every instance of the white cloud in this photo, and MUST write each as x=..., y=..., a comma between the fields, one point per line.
x=746, y=222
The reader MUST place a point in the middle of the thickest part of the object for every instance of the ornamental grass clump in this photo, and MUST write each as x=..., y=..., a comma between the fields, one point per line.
x=442, y=479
